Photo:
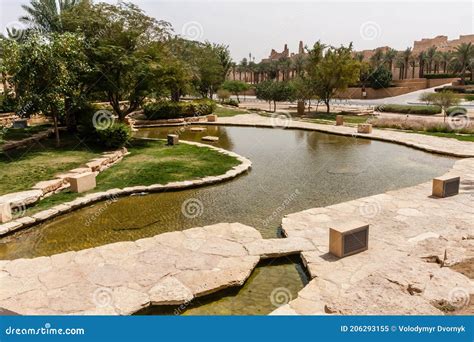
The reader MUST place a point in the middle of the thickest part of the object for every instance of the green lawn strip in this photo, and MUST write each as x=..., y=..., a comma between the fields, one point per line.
x=152, y=162
x=226, y=111
x=15, y=134
x=23, y=168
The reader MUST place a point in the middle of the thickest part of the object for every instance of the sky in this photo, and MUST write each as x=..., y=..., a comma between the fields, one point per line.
x=255, y=27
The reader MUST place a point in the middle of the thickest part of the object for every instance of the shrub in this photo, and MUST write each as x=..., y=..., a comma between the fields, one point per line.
x=7, y=103
x=223, y=95
x=434, y=76
x=173, y=110
x=114, y=136
x=469, y=97
x=456, y=110
x=231, y=102
x=407, y=109
x=419, y=125
x=380, y=78
x=456, y=89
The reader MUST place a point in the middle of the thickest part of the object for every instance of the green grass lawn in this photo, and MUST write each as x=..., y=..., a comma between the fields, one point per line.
x=226, y=111
x=461, y=137
x=21, y=169
x=152, y=162
x=15, y=134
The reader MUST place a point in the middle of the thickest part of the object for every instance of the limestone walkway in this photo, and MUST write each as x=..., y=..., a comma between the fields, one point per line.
x=447, y=146
x=124, y=277
x=413, y=239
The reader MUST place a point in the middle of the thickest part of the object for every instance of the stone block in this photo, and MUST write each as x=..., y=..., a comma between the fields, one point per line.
x=173, y=139
x=364, y=128
x=23, y=123
x=49, y=186
x=212, y=118
x=197, y=129
x=5, y=212
x=82, y=182
x=446, y=186
x=339, y=120
x=210, y=138
x=348, y=238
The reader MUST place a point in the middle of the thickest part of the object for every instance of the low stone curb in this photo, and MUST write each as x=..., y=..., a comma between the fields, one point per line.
x=112, y=194
x=12, y=145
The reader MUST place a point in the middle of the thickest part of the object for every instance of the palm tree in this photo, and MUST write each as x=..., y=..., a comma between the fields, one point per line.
x=462, y=56
x=421, y=64
x=406, y=55
x=377, y=58
x=412, y=62
x=45, y=15
x=430, y=57
x=444, y=58
x=390, y=56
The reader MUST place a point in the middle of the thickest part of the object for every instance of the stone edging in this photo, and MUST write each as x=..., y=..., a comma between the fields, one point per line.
x=42, y=216
x=13, y=145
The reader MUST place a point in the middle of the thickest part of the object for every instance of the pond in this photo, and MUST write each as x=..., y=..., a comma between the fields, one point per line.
x=292, y=170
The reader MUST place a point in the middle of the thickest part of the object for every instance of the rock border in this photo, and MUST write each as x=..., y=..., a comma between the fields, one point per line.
x=45, y=215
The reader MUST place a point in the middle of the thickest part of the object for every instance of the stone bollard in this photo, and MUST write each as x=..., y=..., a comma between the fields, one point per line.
x=339, y=120
x=364, y=128
x=82, y=182
x=348, y=238
x=5, y=212
x=211, y=118
x=446, y=186
x=173, y=139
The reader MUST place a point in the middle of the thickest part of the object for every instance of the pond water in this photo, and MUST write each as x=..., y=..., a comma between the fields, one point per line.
x=292, y=170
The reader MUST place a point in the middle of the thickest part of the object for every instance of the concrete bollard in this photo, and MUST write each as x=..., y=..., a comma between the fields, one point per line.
x=5, y=212
x=173, y=139
x=82, y=182
x=339, y=120
x=364, y=128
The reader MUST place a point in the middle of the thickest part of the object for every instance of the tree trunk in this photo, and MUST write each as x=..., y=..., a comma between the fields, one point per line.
x=274, y=106
x=328, y=109
x=56, y=128
x=71, y=122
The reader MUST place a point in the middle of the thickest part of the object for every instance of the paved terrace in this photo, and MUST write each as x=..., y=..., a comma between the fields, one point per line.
x=413, y=240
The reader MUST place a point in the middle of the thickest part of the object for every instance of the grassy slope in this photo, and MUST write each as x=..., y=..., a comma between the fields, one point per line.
x=226, y=111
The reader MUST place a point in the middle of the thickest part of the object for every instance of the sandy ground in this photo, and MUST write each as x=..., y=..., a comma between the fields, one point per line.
x=466, y=268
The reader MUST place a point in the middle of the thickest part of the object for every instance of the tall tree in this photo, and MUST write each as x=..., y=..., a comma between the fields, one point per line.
x=462, y=58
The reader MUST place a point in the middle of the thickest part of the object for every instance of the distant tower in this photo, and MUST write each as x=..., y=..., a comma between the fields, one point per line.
x=301, y=48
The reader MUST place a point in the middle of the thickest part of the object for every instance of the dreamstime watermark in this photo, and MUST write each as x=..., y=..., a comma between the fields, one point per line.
x=370, y=209
x=290, y=198
x=103, y=119
x=103, y=297
x=192, y=208
x=192, y=30
x=281, y=119
x=280, y=296
x=370, y=30
x=15, y=30
x=95, y=215
x=459, y=297
x=47, y=329
x=458, y=120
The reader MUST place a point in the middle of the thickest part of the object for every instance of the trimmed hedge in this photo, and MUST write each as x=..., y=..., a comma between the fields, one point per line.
x=407, y=109
x=174, y=110
x=456, y=89
x=456, y=110
x=434, y=76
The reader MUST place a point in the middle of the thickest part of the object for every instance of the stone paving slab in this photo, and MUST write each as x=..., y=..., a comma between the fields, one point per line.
x=124, y=277
x=413, y=238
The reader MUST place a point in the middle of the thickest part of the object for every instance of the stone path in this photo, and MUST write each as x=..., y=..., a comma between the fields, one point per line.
x=413, y=238
x=452, y=147
x=124, y=277
x=112, y=194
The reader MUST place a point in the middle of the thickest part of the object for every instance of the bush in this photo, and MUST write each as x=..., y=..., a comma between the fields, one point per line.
x=456, y=110
x=115, y=136
x=407, y=109
x=7, y=103
x=434, y=76
x=380, y=78
x=231, y=102
x=456, y=89
x=223, y=95
x=173, y=110
x=469, y=97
